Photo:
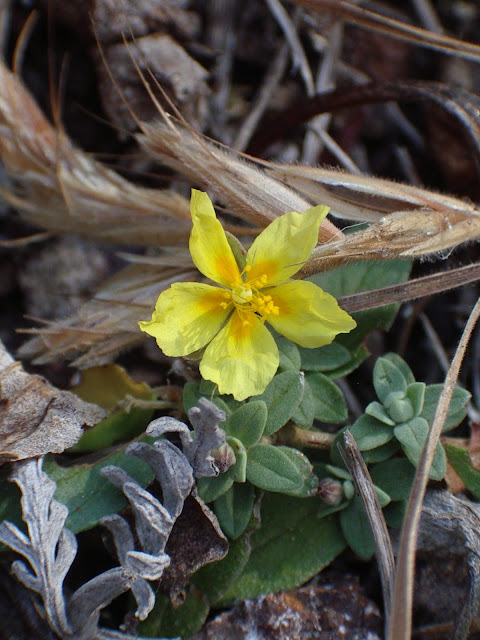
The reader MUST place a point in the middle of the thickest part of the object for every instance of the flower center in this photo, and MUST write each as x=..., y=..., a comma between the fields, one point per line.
x=248, y=300
x=242, y=294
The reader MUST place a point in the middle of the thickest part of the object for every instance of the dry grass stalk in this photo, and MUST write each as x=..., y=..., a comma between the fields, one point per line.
x=107, y=324
x=246, y=189
x=60, y=188
x=359, y=16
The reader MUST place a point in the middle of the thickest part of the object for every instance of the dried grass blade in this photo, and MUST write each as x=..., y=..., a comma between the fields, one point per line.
x=417, y=288
x=362, y=198
x=394, y=28
x=60, y=188
x=107, y=324
x=401, y=234
x=400, y=626
x=246, y=189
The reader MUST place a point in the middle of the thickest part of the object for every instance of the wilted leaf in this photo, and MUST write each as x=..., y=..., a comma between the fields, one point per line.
x=107, y=386
x=35, y=417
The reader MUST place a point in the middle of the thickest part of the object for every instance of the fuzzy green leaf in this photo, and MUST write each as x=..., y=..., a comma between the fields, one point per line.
x=412, y=436
x=394, y=476
x=416, y=395
x=247, y=423
x=289, y=355
x=456, y=411
x=388, y=379
x=87, y=494
x=400, y=363
x=356, y=529
x=234, y=509
x=330, y=404
x=304, y=414
x=370, y=433
x=326, y=358
x=280, y=469
x=282, y=396
x=292, y=545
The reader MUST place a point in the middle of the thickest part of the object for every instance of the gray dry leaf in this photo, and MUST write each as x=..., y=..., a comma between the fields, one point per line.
x=35, y=417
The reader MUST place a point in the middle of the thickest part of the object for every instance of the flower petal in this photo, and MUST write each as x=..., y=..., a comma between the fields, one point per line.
x=307, y=315
x=242, y=359
x=187, y=316
x=283, y=247
x=209, y=246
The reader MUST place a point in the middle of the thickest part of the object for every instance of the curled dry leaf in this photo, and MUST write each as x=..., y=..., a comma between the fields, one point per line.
x=35, y=417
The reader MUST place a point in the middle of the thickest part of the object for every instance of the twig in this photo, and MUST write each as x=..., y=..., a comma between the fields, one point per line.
x=400, y=625
x=312, y=145
x=298, y=54
x=383, y=548
x=269, y=84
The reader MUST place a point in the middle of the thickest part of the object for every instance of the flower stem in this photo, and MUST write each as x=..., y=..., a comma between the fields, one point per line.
x=294, y=436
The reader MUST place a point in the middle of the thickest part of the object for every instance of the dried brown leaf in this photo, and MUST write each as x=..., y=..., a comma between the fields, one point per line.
x=36, y=418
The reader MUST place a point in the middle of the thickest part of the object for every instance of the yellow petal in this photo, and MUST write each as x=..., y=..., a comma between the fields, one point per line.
x=187, y=316
x=283, y=247
x=242, y=359
x=307, y=315
x=209, y=246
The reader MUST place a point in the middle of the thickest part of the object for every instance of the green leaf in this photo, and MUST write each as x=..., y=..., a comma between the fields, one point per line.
x=388, y=379
x=383, y=498
x=282, y=396
x=400, y=363
x=460, y=461
x=364, y=276
x=107, y=386
x=239, y=469
x=394, y=513
x=216, y=578
x=370, y=433
x=358, y=355
x=330, y=405
x=166, y=622
x=304, y=414
x=399, y=409
x=209, y=489
x=338, y=472
x=87, y=494
x=377, y=410
x=416, y=395
x=280, y=469
x=289, y=355
x=412, y=436
x=247, y=423
x=348, y=489
x=382, y=453
x=326, y=358
x=292, y=545
x=234, y=509
x=456, y=411
x=394, y=476
x=356, y=529
x=335, y=456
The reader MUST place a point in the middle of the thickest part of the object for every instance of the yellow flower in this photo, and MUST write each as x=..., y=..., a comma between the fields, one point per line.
x=240, y=355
